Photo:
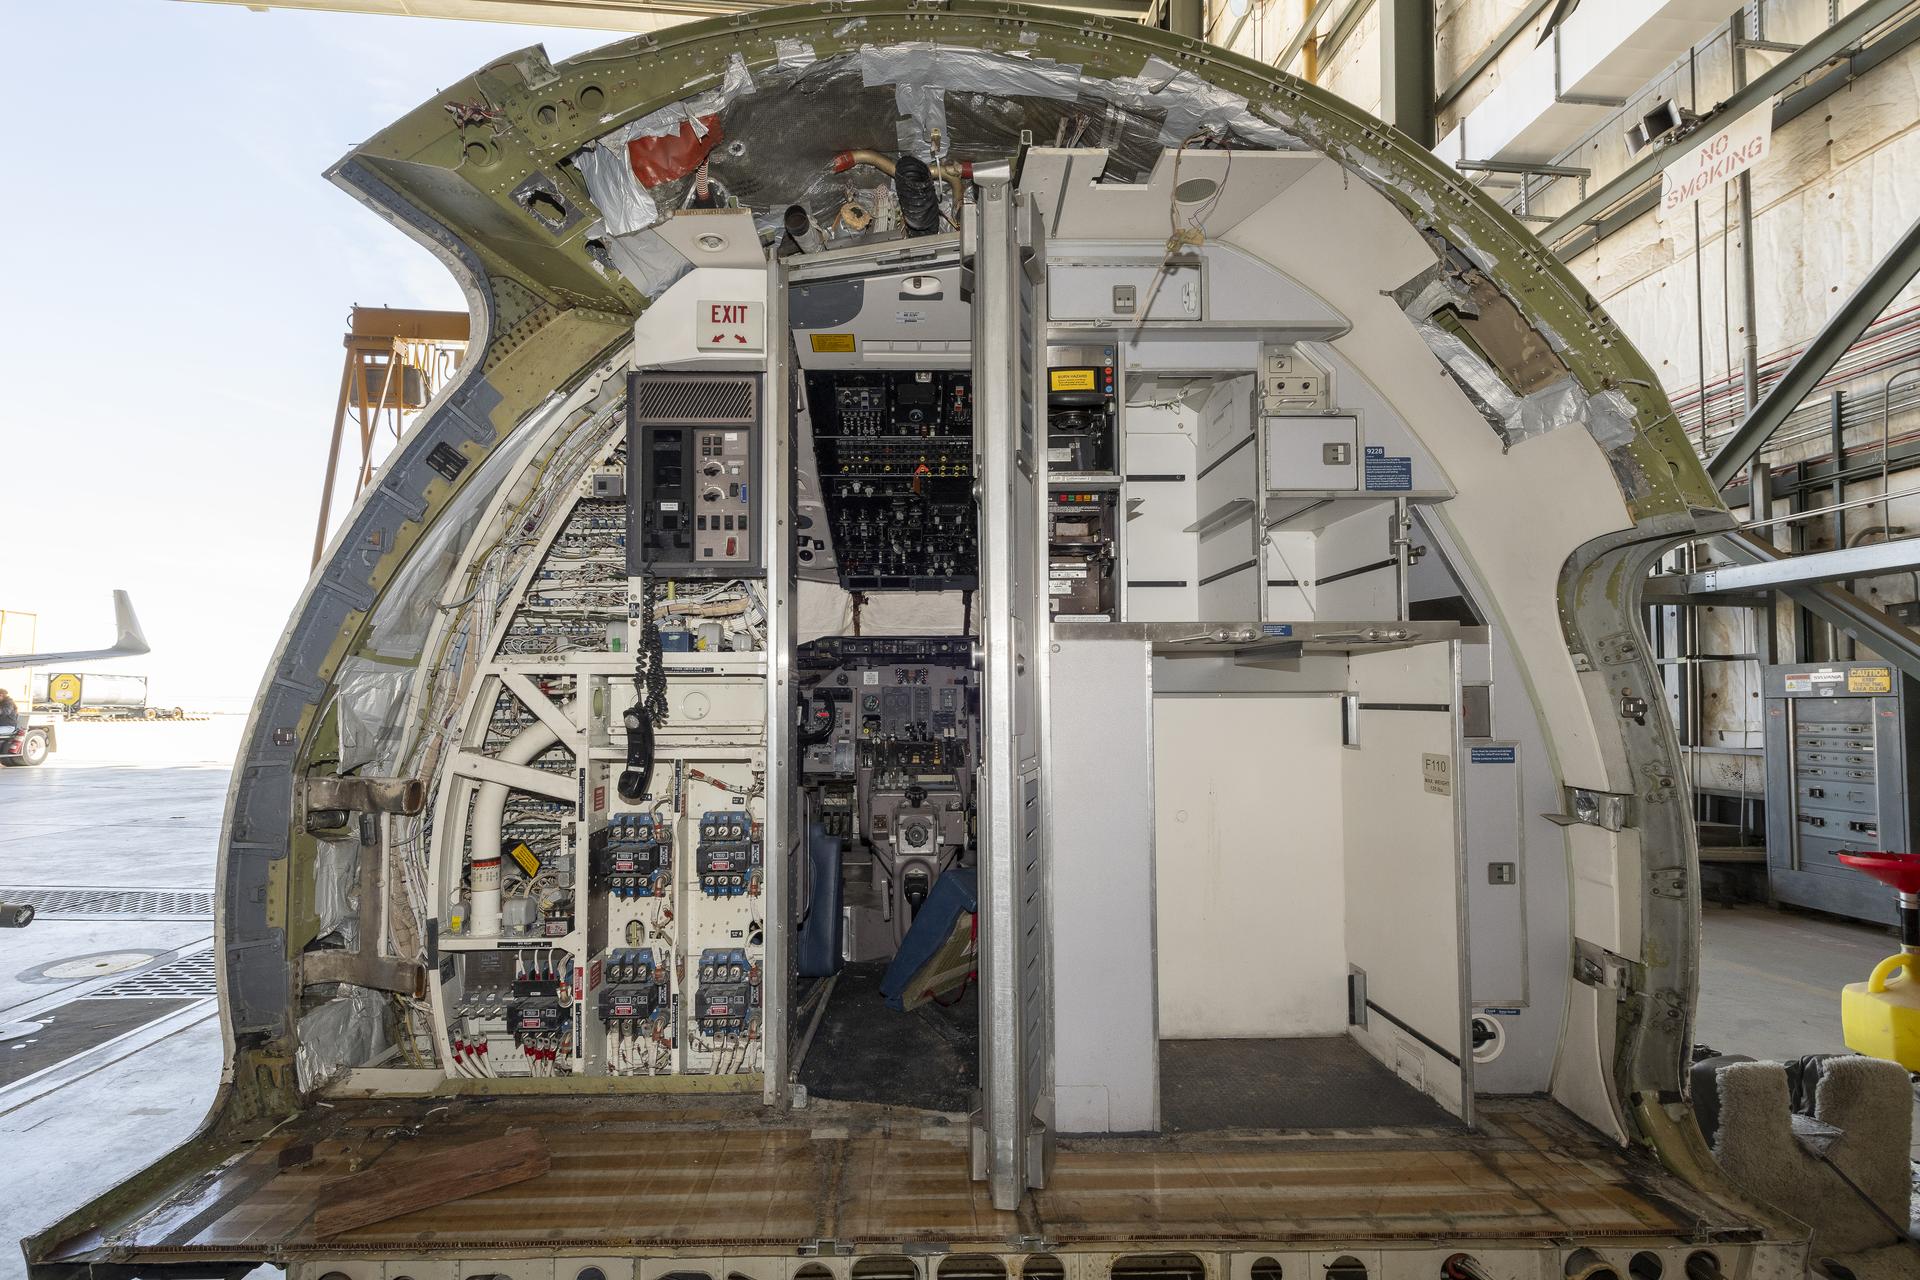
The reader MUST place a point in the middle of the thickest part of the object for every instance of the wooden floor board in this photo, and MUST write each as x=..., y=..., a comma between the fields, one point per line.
x=649, y=1174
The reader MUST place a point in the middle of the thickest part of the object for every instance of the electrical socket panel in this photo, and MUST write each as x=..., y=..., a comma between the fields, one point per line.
x=1290, y=382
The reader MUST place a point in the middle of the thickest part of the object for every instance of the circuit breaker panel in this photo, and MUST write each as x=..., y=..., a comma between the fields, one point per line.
x=676, y=904
x=895, y=455
x=599, y=882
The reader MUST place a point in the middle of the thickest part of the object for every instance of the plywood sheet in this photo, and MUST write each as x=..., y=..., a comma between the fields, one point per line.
x=438, y=1178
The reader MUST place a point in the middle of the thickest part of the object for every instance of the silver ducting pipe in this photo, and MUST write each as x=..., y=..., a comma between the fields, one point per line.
x=490, y=800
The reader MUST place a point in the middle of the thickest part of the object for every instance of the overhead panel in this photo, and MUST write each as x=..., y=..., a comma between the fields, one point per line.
x=1186, y=187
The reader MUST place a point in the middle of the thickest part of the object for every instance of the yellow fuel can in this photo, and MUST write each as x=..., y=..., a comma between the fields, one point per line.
x=1881, y=1018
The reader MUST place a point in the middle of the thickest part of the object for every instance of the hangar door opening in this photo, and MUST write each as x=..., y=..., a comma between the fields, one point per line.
x=1309, y=892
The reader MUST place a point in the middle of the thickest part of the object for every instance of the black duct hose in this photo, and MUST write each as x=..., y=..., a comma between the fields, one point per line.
x=919, y=199
x=801, y=232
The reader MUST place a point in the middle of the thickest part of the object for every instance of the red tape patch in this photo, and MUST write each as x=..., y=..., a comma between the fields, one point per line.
x=658, y=160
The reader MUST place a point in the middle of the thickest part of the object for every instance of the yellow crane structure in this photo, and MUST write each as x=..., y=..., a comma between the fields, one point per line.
x=396, y=359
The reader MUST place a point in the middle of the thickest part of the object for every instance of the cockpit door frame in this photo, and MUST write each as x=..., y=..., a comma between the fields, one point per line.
x=1013, y=1131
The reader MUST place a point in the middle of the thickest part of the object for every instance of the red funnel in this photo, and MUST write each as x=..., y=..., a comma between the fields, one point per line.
x=1900, y=870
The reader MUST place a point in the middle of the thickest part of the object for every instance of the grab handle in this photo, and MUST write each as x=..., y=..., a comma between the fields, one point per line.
x=1877, y=983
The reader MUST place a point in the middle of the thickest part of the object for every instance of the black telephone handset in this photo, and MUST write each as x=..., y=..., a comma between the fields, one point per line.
x=637, y=777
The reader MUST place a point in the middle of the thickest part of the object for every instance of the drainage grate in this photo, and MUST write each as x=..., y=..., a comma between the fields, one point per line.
x=92, y=904
x=189, y=977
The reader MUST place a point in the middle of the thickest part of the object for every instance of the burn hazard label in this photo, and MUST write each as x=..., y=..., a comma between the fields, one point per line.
x=730, y=326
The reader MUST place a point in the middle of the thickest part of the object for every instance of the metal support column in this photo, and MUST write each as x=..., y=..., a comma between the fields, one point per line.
x=1187, y=18
x=1836, y=410
x=1766, y=619
x=1406, y=67
x=1013, y=1135
x=1882, y=285
x=1749, y=274
x=1308, y=26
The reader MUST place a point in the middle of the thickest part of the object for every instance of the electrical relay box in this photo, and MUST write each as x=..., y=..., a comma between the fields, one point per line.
x=728, y=855
x=728, y=998
x=542, y=972
x=694, y=462
x=635, y=859
x=486, y=981
x=637, y=989
x=1082, y=527
x=536, y=1018
x=628, y=965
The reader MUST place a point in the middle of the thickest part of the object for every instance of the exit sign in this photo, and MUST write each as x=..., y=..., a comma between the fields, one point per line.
x=730, y=326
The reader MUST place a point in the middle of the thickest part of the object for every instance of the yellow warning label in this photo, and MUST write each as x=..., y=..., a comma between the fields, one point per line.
x=833, y=342
x=1870, y=680
x=64, y=689
x=1070, y=380
x=524, y=856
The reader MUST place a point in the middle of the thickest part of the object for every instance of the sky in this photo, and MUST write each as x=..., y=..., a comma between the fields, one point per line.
x=177, y=276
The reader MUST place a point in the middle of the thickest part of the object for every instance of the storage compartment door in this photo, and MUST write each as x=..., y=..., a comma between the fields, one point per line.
x=1014, y=1133
x=1405, y=886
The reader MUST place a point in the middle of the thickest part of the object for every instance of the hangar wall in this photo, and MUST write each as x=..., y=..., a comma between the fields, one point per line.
x=1839, y=187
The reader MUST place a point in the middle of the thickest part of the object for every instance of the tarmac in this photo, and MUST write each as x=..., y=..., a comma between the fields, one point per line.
x=94, y=1086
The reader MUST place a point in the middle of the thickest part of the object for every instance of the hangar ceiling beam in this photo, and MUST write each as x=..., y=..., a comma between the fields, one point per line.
x=625, y=16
